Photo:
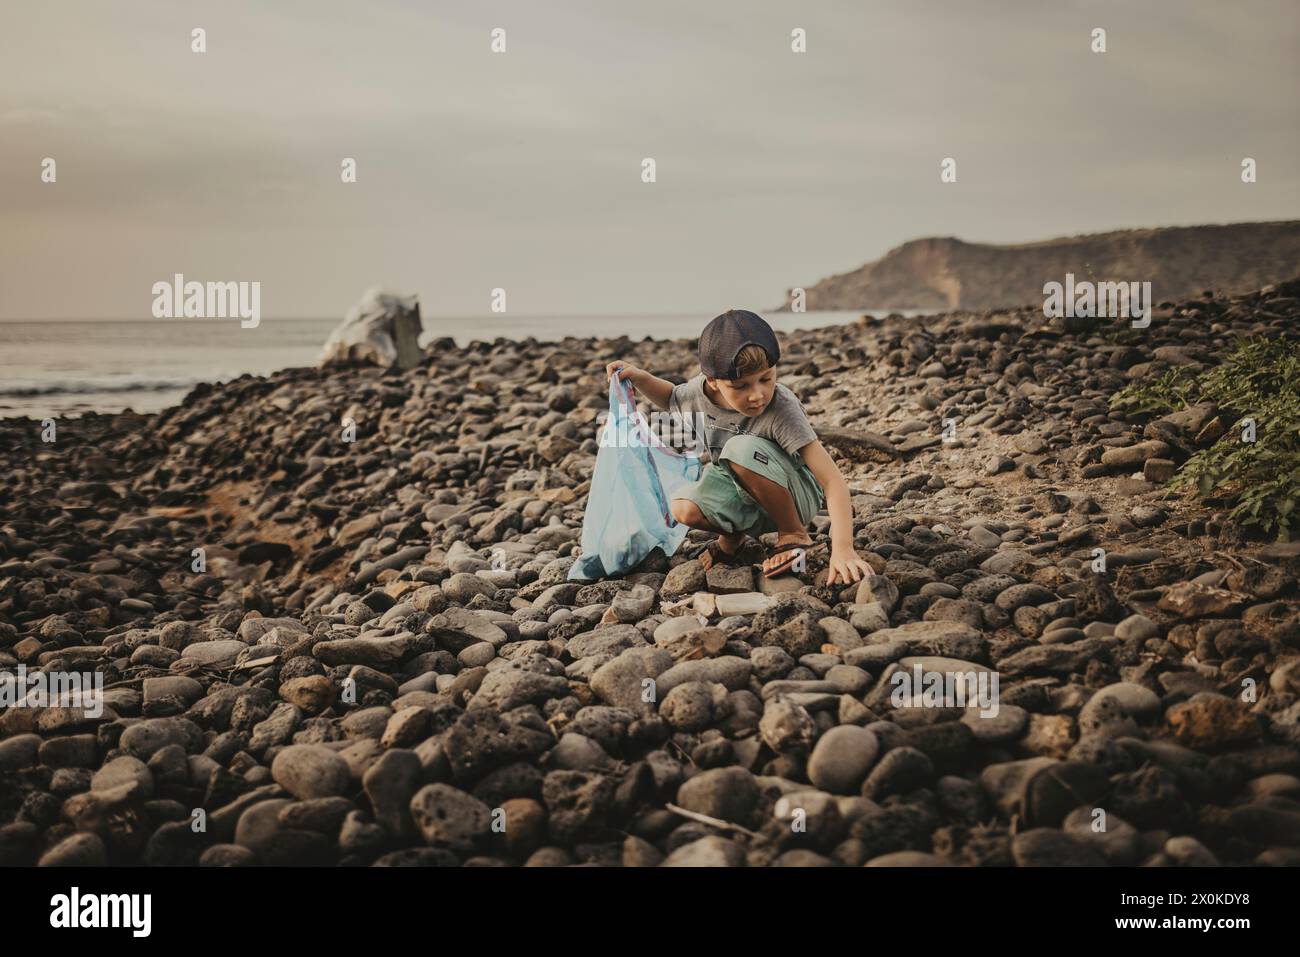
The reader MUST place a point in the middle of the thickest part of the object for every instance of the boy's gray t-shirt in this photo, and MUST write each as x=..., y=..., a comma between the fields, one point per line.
x=783, y=421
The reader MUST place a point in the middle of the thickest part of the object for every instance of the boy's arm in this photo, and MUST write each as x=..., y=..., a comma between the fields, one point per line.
x=657, y=390
x=846, y=566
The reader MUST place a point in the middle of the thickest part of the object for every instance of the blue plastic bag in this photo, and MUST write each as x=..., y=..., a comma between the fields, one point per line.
x=635, y=479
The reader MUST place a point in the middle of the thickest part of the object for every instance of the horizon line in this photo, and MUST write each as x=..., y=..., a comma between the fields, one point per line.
x=489, y=315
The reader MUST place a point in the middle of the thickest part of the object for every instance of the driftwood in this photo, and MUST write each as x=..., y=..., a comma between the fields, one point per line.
x=859, y=445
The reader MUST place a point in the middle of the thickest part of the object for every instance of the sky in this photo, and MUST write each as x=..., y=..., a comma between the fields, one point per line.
x=522, y=170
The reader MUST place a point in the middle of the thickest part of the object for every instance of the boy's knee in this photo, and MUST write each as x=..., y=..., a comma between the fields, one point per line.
x=686, y=511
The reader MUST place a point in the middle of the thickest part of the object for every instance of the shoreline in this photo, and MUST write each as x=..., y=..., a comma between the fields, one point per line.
x=295, y=343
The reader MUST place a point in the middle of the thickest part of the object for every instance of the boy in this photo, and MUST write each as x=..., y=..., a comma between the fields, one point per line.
x=768, y=472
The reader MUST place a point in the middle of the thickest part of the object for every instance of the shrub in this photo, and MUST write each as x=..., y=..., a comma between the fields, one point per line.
x=1259, y=380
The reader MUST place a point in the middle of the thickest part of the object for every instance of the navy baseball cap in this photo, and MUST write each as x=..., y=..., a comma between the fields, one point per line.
x=724, y=337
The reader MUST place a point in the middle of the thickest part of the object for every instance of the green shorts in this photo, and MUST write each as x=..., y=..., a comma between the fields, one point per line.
x=727, y=505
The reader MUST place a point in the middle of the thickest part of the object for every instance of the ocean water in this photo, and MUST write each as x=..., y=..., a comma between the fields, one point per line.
x=67, y=367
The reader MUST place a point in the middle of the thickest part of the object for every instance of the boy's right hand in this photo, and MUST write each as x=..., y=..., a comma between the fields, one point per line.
x=624, y=370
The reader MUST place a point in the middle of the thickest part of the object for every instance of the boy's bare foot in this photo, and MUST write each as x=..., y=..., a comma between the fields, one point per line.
x=786, y=553
x=721, y=551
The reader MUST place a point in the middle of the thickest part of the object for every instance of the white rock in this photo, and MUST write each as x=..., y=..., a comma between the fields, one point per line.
x=743, y=603
x=383, y=329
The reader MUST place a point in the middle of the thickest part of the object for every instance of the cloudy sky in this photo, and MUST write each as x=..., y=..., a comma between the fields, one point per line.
x=522, y=170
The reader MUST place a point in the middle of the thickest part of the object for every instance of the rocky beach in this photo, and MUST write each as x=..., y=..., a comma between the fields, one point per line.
x=331, y=614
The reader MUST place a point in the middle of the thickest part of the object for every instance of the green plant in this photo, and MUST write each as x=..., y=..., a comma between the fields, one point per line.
x=1259, y=381
x=1121, y=335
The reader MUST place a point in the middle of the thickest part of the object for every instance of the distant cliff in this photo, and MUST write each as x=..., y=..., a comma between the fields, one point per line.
x=1178, y=261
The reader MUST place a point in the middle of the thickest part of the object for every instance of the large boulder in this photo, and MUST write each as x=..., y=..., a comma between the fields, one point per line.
x=383, y=329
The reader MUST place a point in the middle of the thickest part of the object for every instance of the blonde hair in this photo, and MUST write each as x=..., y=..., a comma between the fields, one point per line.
x=751, y=359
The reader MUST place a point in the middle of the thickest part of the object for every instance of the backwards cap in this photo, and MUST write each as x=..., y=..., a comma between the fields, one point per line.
x=727, y=334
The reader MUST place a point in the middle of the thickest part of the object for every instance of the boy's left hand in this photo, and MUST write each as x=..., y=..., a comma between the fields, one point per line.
x=846, y=567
